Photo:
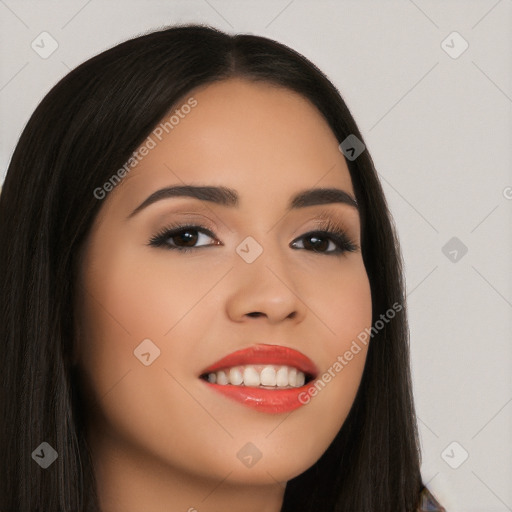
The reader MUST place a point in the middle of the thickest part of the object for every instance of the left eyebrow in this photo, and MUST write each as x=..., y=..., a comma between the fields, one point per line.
x=228, y=197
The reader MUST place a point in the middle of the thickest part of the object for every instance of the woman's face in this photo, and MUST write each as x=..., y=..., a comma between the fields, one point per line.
x=154, y=318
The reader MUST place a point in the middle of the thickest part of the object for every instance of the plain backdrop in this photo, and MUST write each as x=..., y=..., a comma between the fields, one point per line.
x=436, y=117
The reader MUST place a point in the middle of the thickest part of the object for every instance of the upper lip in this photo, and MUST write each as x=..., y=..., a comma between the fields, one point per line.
x=266, y=354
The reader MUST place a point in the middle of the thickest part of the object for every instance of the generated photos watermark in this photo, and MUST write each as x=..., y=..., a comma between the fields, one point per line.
x=343, y=360
x=150, y=143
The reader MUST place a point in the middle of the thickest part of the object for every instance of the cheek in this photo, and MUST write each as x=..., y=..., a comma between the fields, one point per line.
x=129, y=298
x=140, y=403
x=344, y=304
x=346, y=312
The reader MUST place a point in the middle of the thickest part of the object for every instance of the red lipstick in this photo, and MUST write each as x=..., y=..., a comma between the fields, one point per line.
x=260, y=398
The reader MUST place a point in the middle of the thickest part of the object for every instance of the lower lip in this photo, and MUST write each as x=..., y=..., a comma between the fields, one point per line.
x=265, y=400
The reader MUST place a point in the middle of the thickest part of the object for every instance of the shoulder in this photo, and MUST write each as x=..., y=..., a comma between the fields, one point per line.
x=428, y=503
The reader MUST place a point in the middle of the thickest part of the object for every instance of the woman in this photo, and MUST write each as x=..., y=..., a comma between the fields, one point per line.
x=266, y=368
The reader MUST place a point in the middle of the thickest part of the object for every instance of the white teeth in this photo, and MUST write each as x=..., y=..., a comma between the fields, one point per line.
x=235, y=376
x=222, y=378
x=292, y=377
x=282, y=377
x=259, y=375
x=251, y=377
x=268, y=376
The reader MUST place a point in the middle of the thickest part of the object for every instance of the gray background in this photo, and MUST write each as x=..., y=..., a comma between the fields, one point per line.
x=439, y=129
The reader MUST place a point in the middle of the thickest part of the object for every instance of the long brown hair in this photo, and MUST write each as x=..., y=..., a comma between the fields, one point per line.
x=86, y=128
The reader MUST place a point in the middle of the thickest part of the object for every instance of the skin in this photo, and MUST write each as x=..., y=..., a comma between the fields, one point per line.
x=161, y=439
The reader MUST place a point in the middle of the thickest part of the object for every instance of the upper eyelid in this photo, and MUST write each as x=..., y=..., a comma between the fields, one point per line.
x=320, y=225
x=320, y=219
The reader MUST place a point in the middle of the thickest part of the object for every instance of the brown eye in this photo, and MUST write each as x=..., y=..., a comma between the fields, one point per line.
x=188, y=237
x=320, y=241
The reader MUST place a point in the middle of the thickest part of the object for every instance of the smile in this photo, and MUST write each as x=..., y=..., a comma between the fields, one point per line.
x=268, y=378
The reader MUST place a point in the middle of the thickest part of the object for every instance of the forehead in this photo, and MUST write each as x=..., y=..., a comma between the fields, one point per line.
x=260, y=139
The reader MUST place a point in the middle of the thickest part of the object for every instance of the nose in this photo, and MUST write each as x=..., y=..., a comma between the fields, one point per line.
x=265, y=289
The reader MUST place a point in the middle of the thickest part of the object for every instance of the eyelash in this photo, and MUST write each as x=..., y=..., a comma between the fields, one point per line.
x=328, y=229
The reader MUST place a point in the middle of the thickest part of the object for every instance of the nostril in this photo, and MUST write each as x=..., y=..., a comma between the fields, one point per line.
x=255, y=313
